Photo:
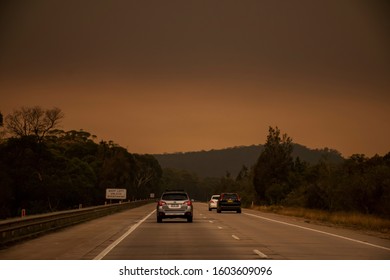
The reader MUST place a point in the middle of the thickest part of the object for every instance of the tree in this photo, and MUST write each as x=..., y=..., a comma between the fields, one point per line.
x=147, y=174
x=273, y=167
x=33, y=121
x=244, y=183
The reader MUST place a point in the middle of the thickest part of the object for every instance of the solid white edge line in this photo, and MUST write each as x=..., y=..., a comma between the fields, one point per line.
x=235, y=237
x=262, y=255
x=319, y=231
x=116, y=242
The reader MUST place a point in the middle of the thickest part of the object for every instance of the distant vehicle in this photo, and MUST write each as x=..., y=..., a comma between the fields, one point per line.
x=174, y=204
x=213, y=201
x=229, y=202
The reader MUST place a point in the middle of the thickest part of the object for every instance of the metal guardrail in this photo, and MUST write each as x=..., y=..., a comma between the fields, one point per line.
x=18, y=229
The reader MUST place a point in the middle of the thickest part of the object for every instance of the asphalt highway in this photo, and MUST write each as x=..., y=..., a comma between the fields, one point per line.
x=135, y=234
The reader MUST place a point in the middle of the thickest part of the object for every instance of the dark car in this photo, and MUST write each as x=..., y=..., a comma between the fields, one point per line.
x=174, y=204
x=229, y=202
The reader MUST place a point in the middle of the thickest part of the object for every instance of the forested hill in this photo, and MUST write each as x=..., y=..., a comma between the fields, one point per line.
x=216, y=163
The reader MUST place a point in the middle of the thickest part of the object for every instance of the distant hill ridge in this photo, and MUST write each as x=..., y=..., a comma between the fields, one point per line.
x=215, y=163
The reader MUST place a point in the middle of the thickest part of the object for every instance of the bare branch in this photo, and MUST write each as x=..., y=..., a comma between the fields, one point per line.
x=33, y=121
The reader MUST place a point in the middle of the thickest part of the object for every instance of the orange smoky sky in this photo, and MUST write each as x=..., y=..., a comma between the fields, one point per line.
x=176, y=76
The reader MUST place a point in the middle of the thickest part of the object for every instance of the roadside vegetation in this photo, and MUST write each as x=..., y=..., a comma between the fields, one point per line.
x=44, y=169
x=344, y=219
x=354, y=192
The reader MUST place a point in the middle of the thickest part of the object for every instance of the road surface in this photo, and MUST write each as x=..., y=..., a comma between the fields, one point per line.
x=135, y=234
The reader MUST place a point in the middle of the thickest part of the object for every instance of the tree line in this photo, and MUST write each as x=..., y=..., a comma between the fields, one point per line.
x=45, y=169
x=356, y=184
x=215, y=163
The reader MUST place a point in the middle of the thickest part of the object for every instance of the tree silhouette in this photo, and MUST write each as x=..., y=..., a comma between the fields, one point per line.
x=273, y=166
x=33, y=121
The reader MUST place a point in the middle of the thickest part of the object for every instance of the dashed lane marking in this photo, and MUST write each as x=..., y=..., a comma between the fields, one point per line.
x=262, y=255
x=235, y=237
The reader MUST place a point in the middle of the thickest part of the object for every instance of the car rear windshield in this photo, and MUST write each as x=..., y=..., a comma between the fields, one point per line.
x=215, y=197
x=230, y=196
x=174, y=196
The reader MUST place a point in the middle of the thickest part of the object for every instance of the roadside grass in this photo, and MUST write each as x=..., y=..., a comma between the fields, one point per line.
x=345, y=219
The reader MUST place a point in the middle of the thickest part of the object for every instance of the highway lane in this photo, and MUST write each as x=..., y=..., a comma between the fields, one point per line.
x=177, y=239
x=251, y=235
x=291, y=238
x=80, y=242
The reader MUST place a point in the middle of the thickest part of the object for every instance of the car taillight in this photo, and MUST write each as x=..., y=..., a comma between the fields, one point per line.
x=188, y=202
x=161, y=203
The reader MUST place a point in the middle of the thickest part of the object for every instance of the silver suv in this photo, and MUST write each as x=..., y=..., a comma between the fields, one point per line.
x=174, y=204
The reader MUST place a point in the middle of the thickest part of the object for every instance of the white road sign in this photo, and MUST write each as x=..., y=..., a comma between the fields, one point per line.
x=115, y=193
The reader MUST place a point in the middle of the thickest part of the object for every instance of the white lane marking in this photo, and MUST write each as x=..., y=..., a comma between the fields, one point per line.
x=219, y=227
x=116, y=242
x=262, y=255
x=211, y=222
x=319, y=231
x=235, y=237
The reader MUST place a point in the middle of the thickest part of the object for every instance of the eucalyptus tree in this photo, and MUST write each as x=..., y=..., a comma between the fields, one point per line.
x=33, y=121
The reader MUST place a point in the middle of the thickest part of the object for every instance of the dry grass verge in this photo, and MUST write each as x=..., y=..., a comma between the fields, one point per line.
x=344, y=219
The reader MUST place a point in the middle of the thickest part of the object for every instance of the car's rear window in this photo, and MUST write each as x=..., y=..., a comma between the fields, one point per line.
x=230, y=196
x=174, y=196
x=215, y=197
